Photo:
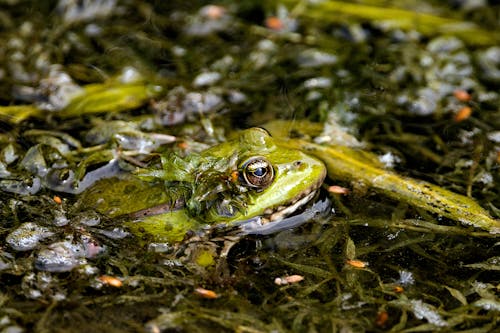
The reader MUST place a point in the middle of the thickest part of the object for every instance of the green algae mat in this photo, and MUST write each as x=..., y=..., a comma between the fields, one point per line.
x=277, y=166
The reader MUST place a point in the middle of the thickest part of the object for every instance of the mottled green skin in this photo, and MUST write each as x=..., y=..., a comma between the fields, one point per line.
x=291, y=178
x=296, y=173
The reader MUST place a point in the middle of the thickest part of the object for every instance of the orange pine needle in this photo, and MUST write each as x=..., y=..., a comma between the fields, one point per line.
x=462, y=114
x=205, y=293
x=462, y=95
x=111, y=281
x=356, y=263
x=215, y=12
x=274, y=23
x=338, y=189
x=280, y=281
x=399, y=289
x=382, y=318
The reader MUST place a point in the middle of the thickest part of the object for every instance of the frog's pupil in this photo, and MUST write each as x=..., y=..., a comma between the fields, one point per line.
x=259, y=172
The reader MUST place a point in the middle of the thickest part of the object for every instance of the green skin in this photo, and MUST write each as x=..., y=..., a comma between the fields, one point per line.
x=295, y=176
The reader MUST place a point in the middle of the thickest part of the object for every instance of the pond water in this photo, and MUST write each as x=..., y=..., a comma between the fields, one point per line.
x=93, y=91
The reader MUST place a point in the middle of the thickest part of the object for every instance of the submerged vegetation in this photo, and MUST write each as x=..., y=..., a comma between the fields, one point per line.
x=95, y=92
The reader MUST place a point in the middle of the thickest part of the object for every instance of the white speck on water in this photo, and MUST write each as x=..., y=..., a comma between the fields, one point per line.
x=206, y=79
x=178, y=51
x=494, y=136
x=159, y=247
x=485, y=178
x=201, y=103
x=406, y=278
x=236, y=97
x=389, y=159
x=487, y=304
x=130, y=75
x=314, y=95
x=318, y=82
x=267, y=45
x=315, y=58
x=60, y=219
x=426, y=311
x=394, y=235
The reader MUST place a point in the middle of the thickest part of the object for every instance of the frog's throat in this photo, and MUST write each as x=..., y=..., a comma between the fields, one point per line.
x=280, y=212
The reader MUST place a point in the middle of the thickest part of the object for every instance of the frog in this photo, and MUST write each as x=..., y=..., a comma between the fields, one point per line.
x=215, y=187
x=248, y=181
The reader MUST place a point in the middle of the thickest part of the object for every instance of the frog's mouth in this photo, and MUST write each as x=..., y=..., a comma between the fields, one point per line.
x=287, y=209
x=261, y=225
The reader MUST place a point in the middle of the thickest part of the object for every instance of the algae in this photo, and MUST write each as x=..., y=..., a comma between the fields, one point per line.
x=377, y=264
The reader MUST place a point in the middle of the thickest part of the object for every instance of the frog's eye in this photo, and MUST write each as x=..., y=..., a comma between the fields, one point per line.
x=257, y=172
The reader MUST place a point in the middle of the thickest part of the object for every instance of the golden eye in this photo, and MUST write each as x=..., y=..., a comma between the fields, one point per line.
x=257, y=172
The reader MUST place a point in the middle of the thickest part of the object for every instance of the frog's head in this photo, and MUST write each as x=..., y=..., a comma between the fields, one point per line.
x=251, y=176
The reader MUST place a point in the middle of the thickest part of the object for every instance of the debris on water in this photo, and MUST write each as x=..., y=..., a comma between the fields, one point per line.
x=463, y=114
x=282, y=22
x=206, y=79
x=485, y=178
x=426, y=311
x=389, y=160
x=65, y=255
x=196, y=103
x=111, y=281
x=357, y=263
x=34, y=161
x=178, y=51
x=43, y=286
x=57, y=199
x=337, y=129
x=115, y=233
x=236, y=97
x=406, y=278
x=56, y=90
x=88, y=219
x=142, y=143
x=60, y=218
x=181, y=105
x=494, y=136
x=315, y=58
x=462, y=95
x=488, y=304
x=59, y=257
x=489, y=60
x=22, y=186
x=382, y=318
x=289, y=279
x=208, y=20
x=27, y=236
x=9, y=154
x=318, y=82
x=206, y=293
x=129, y=74
x=338, y=189
x=159, y=247
x=12, y=328
x=350, y=302
x=4, y=173
x=64, y=180
x=425, y=103
x=78, y=11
